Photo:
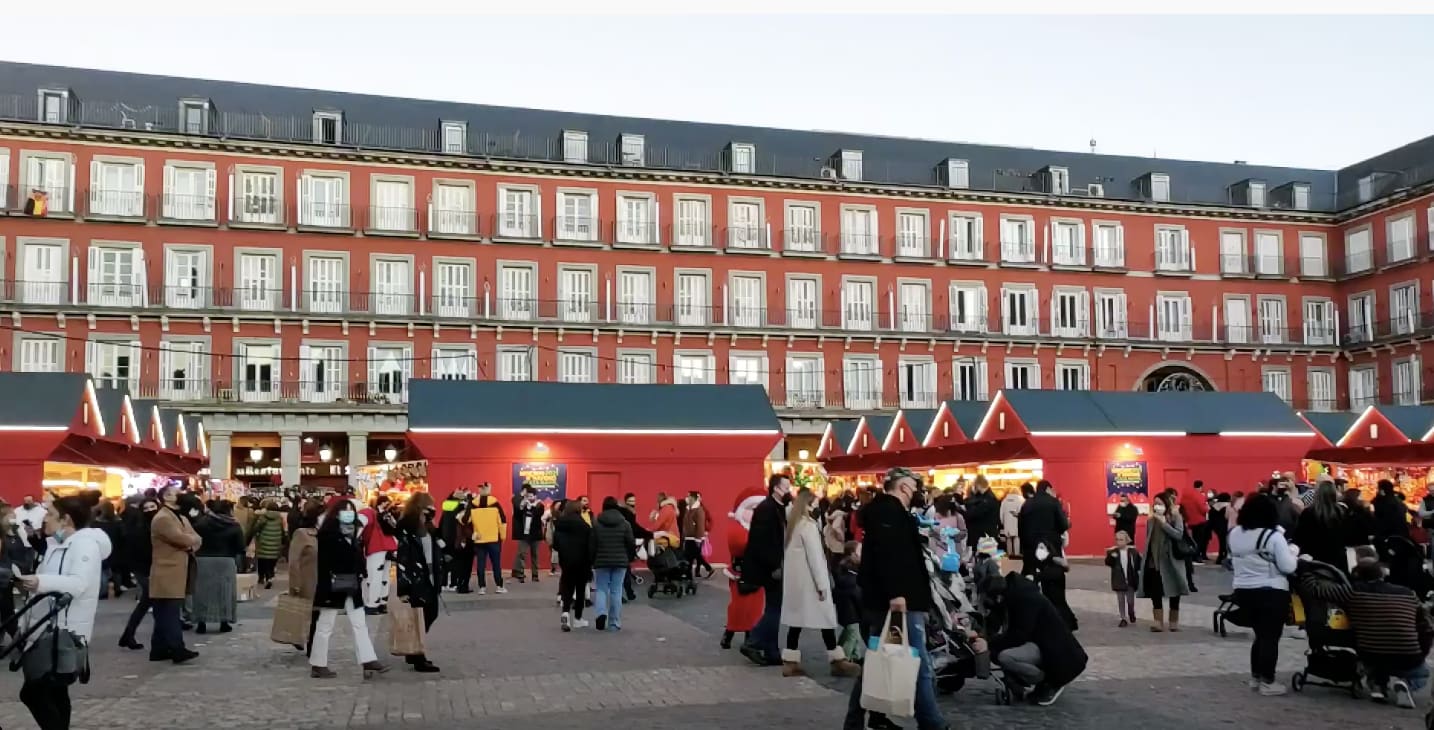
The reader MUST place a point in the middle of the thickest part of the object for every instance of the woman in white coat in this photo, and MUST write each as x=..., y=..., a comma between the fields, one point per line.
x=807, y=601
x=1011, y=516
x=71, y=566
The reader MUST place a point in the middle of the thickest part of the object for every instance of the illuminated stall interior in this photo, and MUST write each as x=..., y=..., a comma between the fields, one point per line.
x=1381, y=442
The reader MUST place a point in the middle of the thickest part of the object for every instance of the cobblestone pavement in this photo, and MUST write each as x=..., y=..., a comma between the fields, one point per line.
x=506, y=664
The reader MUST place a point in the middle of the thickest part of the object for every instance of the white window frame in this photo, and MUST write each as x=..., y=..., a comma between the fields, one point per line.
x=1269, y=253
x=1111, y=322
x=454, y=362
x=586, y=228
x=1018, y=239
x=1274, y=319
x=1404, y=380
x=452, y=208
x=1318, y=317
x=1234, y=251
x=1277, y=380
x=639, y=310
x=1404, y=322
x=916, y=379
x=806, y=395
x=1030, y=324
x=1359, y=322
x=384, y=215
x=513, y=222
x=322, y=117
x=116, y=201
x=1399, y=232
x=965, y=236
x=1358, y=250
x=60, y=198
x=333, y=213
x=1022, y=373
x=266, y=357
x=747, y=236
x=636, y=367
x=689, y=232
x=913, y=303
x=577, y=365
x=514, y=303
x=323, y=371
x=1314, y=266
x=1067, y=242
x=1173, y=251
x=1320, y=389
x=1061, y=326
x=455, y=296
x=257, y=195
x=39, y=354
x=796, y=235
x=741, y=311
x=1363, y=387
x=454, y=138
x=970, y=379
x=636, y=219
x=860, y=242
x=385, y=385
x=517, y=363
x=1183, y=331
x=178, y=206
x=1108, y=254
x=860, y=396
x=1238, y=313
x=127, y=291
x=969, y=321
x=575, y=147
x=743, y=158
x=856, y=315
x=1072, y=375
x=576, y=305
x=632, y=150
x=391, y=296
x=805, y=315
x=913, y=233
x=748, y=367
x=694, y=367
x=692, y=297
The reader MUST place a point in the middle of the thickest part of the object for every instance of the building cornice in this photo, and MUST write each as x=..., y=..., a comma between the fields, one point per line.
x=484, y=165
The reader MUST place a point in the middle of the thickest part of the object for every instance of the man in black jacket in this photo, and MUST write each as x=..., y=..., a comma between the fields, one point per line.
x=527, y=530
x=762, y=563
x=1035, y=648
x=894, y=580
x=639, y=534
x=1042, y=519
x=983, y=514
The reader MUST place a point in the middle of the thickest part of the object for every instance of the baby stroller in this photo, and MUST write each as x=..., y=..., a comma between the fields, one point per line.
x=671, y=573
x=952, y=659
x=1331, y=658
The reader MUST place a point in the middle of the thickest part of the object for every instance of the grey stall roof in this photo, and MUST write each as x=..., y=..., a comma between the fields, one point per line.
x=47, y=400
x=919, y=421
x=1332, y=426
x=516, y=406
x=968, y=414
x=1412, y=421
x=1185, y=412
x=113, y=98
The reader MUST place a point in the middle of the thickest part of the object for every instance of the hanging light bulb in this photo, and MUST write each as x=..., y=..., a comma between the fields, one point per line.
x=325, y=453
x=256, y=455
x=390, y=453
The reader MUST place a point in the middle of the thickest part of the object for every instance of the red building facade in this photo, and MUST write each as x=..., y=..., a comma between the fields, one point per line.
x=242, y=264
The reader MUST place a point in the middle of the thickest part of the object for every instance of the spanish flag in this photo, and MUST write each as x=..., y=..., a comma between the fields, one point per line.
x=38, y=204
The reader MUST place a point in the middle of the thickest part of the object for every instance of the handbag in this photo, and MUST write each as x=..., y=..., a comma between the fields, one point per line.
x=346, y=583
x=57, y=652
x=889, y=672
x=1184, y=548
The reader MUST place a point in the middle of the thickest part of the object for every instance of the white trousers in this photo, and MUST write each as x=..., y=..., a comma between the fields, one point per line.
x=375, y=585
x=324, y=631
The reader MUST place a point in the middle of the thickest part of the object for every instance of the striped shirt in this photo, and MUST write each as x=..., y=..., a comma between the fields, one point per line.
x=1388, y=620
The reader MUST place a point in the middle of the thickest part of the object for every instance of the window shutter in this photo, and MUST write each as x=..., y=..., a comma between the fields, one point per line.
x=139, y=179
x=134, y=366
x=372, y=370
x=140, y=280
x=168, y=206
x=304, y=194
x=211, y=186
x=1083, y=317
x=5, y=179
x=198, y=372
x=94, y=183
x=407, y=369
x=92, y=267
x=166, y=368
x=92, y=357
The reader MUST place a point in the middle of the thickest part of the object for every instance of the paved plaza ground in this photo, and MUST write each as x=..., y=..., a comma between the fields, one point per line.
x=506, y=665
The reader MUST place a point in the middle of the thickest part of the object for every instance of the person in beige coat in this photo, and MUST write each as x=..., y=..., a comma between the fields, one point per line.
x=304, y=561
x=173, y=543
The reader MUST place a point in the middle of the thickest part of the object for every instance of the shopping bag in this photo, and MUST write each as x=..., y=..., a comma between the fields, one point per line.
x=291, y=620
x=888, y=681
x=405, y=628
x=706, y=549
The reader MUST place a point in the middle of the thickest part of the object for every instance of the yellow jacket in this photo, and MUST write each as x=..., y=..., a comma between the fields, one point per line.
x=490, y=524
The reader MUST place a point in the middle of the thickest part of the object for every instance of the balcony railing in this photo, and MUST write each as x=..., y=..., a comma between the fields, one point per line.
x=114, y=203
x=335, y=216
x=635, y=233
x=860, y=244
x=691, y=234
x=391, y=219
x=746, y=238
x=180, y=207
x=1018, y=252
x=913, y=246
x=516, y=226
x=576, y=228
x=449, y=222
x=261, y=388
x=257, y=210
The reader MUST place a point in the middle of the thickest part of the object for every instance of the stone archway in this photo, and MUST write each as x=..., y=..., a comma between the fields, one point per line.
x=1166, y=377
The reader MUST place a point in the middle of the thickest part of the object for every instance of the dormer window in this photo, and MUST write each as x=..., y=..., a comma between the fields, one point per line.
x=455, y=138
x=1366, y=188
x=954, y=173
x=1300, y=196
x=1156, y=187
x=194, y=116
x=1055, y=180
x=848, y=164
x=632, y=147
x=54, y=106
x=328, y=127
x=575, y=146
x=742, y=158
x=1249, y=192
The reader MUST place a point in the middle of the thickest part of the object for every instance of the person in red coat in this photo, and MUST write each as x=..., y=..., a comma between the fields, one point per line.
x=380, y=526
x=743, y=610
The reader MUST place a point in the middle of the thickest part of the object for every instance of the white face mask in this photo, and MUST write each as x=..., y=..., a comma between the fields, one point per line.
x=1158, y=509
x=1042, y=552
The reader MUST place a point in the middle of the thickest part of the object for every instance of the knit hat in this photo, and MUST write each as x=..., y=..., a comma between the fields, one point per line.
x=988, y=546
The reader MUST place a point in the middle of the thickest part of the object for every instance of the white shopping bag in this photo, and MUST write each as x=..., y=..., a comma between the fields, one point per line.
x=888, y=674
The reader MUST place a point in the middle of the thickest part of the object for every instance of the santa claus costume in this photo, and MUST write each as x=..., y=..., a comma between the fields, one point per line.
x=743, y=610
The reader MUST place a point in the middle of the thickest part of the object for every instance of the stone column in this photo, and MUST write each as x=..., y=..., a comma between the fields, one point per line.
x=358, y=455
x=289, y=458
x=219, y=450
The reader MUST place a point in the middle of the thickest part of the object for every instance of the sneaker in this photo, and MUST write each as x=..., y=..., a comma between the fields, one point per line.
x=601, y=623
x=580, y=624
x=1268, y=689
x=1299, y=633
x=1377, y=692
x=1403, y=696
x=501, y=589
x=1047, y=696
x=1124, y=623
x=481, y=591
x=1253, y=683
x=566, y=621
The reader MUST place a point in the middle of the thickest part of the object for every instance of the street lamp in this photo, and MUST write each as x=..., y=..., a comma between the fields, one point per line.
x=256, y=455
x=390, y=453
x=325, y=453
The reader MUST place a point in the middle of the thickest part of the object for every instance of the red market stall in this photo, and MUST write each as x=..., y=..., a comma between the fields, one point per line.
x=1380, y=442
x=62, y=434
x=595, y=440
x=1094, y=446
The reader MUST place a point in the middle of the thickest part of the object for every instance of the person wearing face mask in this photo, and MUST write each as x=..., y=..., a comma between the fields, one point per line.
x=216, y=598
x=29, y=516
x=894, y=582
x=807, y=601
x=137, y=541
x=173, y=543
x=71, y=566
x=1042, y=519
x=339, y=589
x=419, y=579
x=1163, y=573
x=268, y=538
x=762, y=565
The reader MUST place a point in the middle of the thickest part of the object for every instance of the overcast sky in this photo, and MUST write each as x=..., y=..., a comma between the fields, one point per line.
x=1305, y=92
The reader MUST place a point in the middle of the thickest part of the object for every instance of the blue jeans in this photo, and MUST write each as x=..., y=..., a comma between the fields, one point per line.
x=764, y=636
x=490, y=552
x=607, y=594
x=928, y=715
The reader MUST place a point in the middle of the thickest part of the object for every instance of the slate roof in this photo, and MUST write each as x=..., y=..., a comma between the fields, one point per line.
x=1332, y=426
x=879, y=425
x=40, y=399
x=919, y=421
x=1189, y=412
x=169, y=425
x=114, y=99
x=111, y=401
x=461, y=404
x=191, y=427
x=1412, y=421
x=842, y=431
x=143, y=412
x=968, y=414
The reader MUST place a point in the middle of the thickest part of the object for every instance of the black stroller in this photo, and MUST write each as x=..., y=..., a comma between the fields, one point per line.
x=1331, y=658
x=671, y=573
x=36, y=633
x=1406, y=565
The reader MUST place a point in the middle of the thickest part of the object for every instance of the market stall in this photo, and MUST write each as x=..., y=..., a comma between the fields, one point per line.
x=63, y=435
x=1093, y=446
x=1380, y=442
x=595, y=440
